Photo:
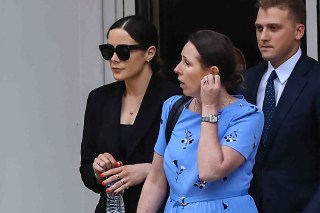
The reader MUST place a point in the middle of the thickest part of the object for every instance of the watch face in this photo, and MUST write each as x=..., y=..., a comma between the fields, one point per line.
x=211, y=118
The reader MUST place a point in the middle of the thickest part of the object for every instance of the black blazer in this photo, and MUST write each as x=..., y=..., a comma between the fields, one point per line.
x=102, y=131
x=286, y=175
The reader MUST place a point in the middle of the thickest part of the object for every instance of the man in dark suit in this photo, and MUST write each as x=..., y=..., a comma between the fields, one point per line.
x=286, y=176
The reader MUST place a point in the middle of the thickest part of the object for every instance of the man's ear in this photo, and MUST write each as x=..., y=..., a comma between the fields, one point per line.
x=214, y=70
x=300, y=28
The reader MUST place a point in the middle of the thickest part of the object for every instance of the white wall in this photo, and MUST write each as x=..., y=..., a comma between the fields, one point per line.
x=113, y=10
x=49, y=61
x=312, y=29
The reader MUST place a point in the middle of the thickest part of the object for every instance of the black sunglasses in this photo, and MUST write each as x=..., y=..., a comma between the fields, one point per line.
x=122, y=50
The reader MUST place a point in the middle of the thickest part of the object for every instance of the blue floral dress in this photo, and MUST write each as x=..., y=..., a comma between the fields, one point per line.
x=240, y=126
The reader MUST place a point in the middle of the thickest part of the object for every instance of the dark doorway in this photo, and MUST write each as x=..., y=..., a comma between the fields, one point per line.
x=176, y=19
x=181, y=17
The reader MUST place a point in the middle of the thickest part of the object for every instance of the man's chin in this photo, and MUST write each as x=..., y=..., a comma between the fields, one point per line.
x=266, y=56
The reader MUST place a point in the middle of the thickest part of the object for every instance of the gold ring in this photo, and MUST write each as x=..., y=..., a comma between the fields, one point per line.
x=117, y=176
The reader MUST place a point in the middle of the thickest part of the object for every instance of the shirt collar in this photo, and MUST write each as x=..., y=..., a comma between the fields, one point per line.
x=285, y=69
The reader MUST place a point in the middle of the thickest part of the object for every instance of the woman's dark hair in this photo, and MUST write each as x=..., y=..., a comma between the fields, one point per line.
x=217, y=49
x=142, y=31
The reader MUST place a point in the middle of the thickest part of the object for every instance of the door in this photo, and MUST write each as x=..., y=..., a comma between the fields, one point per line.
x=176, y=19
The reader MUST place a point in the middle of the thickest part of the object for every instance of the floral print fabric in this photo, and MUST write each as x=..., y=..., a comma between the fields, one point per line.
x=239, y=127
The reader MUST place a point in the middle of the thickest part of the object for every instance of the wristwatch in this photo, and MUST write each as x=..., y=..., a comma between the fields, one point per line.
x=211, y=119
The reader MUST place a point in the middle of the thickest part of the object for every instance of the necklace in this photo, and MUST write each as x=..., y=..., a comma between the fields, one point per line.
x=136, y=109
x=131, y=103
x=195, y=106
x=230, y=101
x=196, y=109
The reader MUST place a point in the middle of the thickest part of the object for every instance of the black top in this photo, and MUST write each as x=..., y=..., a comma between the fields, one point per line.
x=126, y=131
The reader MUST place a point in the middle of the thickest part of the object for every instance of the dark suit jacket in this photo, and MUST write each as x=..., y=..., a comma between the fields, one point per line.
x=286, y=175
x=101, y=133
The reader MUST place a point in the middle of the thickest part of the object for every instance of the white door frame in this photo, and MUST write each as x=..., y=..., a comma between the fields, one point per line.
x=312, y=29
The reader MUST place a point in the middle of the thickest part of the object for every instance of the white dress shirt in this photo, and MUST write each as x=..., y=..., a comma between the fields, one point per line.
x=283, y=72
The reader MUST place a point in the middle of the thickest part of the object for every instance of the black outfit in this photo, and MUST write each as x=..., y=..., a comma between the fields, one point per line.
x=286, y=175
x=102, y=133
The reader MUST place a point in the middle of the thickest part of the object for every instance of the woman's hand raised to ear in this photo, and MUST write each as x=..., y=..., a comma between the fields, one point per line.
x=210, y=91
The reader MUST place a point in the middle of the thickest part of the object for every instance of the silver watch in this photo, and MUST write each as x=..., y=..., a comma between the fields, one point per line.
x=211, y=119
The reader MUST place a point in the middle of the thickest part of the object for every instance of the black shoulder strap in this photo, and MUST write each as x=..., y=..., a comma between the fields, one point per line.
x=174, y=115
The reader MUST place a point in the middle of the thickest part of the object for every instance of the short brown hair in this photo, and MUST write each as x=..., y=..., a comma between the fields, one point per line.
x=296, y=8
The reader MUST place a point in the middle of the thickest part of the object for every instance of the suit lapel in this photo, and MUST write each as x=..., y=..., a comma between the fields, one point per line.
x=291, y=92
x=252, y=83
x=111, y=116
x=150, y=107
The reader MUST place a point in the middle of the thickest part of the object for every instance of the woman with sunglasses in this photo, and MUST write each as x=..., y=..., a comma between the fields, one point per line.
x=122, y=119
x=209, y=158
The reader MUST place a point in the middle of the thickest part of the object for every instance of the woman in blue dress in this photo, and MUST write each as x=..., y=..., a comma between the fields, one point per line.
x=209, y=159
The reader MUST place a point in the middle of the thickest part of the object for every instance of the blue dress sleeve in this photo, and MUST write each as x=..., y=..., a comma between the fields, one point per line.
x=244, y=131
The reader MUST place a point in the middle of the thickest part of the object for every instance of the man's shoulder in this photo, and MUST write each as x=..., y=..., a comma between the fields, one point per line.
x=314, y=62
x=260, y=66
x=309, y=67
x=306, y=58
